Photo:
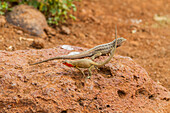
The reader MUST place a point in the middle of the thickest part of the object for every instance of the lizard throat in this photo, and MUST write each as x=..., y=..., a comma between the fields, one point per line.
x=67, y=64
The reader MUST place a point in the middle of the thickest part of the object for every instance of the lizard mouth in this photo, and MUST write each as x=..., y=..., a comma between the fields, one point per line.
x=119, y=44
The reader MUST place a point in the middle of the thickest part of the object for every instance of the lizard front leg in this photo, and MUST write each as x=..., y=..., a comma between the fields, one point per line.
x=96, y=55
x=80, y=71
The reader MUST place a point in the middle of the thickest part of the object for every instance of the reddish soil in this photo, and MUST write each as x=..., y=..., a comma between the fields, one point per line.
x=149, y=46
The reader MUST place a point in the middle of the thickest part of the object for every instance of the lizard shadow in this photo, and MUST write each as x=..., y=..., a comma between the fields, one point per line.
x=80, y=80
x=105, y=72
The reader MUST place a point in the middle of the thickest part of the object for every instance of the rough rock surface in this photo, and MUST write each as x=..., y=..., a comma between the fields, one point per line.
x=2, y=20
x=120, y=86
x=28, y=18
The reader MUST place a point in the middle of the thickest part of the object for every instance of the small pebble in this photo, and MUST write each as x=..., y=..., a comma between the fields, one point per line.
x=65, y=30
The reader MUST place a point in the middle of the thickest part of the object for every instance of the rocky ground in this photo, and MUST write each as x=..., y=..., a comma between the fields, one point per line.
x=120, y=86
x=144, y=24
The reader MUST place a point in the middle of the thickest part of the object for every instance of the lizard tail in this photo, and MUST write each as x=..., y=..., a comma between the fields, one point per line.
x=63, y=57
x=45, y=60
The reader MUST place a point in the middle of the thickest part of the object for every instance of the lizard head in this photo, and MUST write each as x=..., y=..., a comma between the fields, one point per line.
x=120, y=41
x=68, y=63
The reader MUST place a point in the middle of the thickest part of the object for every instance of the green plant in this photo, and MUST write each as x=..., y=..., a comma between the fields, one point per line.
x=3, y=7
x=55, y=10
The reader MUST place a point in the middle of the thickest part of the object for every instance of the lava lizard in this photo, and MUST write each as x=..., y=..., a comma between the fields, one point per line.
x=88, y=63
x=94, y=52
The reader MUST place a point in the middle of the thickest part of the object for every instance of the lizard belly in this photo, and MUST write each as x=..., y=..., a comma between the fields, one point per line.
x=83, y=63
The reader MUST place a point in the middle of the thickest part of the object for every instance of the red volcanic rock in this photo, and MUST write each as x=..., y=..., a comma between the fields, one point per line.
x=119, y=86
x=28, y=18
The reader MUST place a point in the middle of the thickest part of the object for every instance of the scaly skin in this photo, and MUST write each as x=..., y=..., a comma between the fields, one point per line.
x=94, y=52
x=87, y=63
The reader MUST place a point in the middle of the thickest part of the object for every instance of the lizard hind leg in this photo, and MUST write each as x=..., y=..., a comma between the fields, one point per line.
x=81, y=71
x=90, y=73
